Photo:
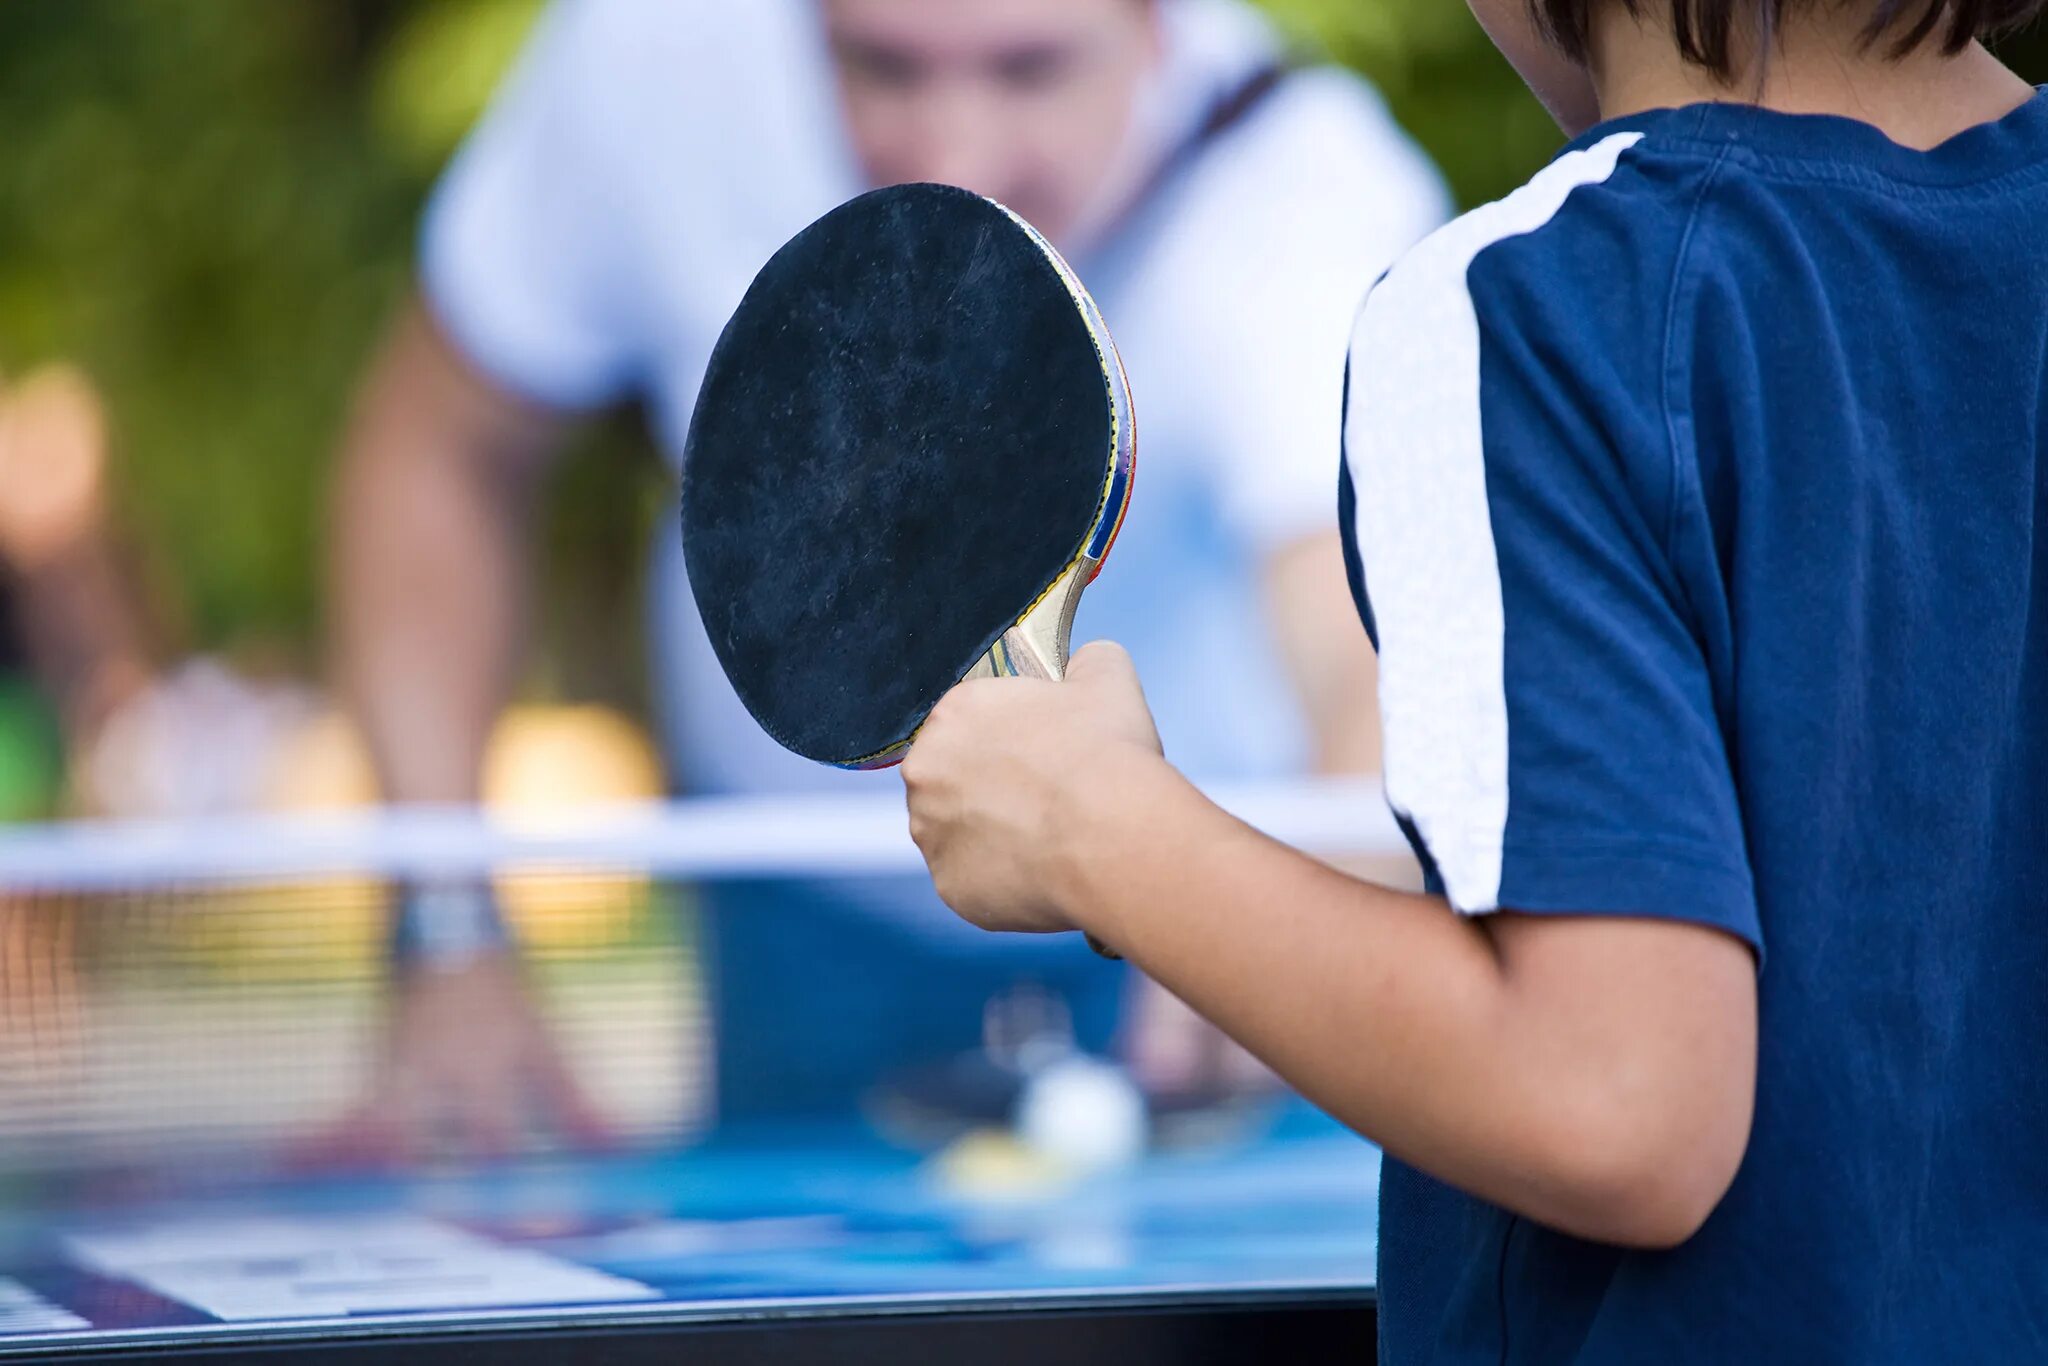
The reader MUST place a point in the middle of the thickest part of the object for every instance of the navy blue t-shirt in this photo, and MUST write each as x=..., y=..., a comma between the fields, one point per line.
x=1697, y=495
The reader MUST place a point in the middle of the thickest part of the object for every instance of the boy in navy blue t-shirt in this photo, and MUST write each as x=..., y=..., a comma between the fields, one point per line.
x=1697, y=499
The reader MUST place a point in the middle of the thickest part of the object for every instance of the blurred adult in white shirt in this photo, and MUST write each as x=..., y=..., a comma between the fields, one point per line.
x=1227, y=208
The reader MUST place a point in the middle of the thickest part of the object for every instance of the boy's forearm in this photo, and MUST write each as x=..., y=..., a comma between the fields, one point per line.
x=1401, y=1019
x=1389, y=1018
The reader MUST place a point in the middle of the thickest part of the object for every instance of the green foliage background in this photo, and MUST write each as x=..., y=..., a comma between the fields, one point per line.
x=210, y=205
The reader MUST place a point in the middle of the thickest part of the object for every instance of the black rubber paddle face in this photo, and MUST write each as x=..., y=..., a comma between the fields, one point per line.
x=900, y=444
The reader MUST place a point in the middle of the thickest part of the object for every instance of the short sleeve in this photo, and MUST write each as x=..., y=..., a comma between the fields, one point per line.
x=1552, y=742
x=522, y=251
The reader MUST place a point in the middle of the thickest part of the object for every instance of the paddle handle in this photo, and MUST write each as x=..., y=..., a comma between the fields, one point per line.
x=1036, y=647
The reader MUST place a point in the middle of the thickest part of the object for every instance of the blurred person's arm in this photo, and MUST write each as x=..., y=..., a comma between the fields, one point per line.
x=527, y=312
x=1328, y=657
x=432, y=512
x=433, y=506
x=81, y=618
x=1324, y=168
x=1330, y=662
x=530, y=292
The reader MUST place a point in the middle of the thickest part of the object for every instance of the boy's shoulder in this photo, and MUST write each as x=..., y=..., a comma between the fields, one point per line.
x=1561, y=291
x=1594, y=237
x=1557, y=308
x=1529, y=339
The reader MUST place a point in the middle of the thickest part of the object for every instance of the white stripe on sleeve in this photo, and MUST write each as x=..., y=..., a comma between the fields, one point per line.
x=1425, y=533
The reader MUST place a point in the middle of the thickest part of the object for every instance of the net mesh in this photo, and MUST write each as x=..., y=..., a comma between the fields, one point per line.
x=148, y=1022
x=193, y=991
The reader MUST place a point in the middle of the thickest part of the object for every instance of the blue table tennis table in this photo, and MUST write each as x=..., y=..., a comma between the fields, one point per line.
x=820, y=1244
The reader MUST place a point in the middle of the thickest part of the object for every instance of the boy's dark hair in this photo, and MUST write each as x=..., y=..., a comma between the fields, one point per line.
x=1706, y=29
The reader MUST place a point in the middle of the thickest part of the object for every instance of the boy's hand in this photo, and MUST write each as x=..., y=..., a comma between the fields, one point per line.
x=998, y=772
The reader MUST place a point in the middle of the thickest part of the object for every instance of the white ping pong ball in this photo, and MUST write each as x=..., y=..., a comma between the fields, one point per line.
x=1083, y=1114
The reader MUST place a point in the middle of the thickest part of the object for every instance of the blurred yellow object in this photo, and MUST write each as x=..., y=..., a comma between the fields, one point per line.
x=551, y=766
x=548, y=764
x=545, y=765
x=322, y=765
x=995, y=1165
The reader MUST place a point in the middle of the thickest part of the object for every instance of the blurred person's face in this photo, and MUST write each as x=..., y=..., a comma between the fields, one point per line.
x=1026, y=101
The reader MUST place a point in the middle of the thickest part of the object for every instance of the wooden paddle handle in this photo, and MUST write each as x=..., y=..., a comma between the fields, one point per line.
x=1036, y=647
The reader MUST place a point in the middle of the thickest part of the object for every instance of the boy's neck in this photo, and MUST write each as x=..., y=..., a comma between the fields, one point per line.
x=1817, y=66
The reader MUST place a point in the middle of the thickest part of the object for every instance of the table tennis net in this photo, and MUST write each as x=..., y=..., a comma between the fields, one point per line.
x=188, y=1016
x=174, y=993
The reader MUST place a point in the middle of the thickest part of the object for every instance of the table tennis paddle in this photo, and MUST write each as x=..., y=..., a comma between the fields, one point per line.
x=912, y=451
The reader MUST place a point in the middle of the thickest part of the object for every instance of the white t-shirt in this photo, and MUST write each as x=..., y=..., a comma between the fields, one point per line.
x=648, y=156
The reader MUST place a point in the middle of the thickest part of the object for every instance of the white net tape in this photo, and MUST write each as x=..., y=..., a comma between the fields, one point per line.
x=694, y=839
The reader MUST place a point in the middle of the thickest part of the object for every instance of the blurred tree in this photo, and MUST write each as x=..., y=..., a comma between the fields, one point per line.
x=210, y=205
x=191, y=207
x=1442, y=78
